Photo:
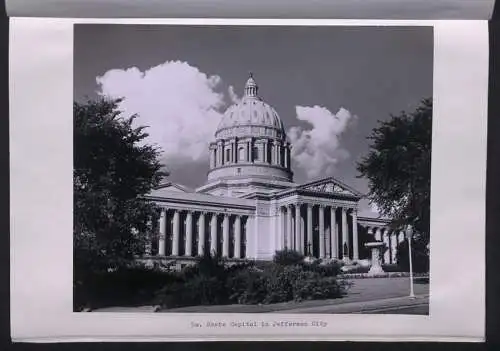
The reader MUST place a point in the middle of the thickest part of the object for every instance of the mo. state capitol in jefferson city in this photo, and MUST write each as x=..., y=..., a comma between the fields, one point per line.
x=250, y=207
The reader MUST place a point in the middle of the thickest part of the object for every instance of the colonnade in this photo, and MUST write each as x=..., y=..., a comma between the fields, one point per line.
x=250, y=150
x=319, y=230
x=191, y=233
x=391, y=239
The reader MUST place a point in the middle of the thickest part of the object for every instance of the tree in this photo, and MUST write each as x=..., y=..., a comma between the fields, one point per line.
x=398, y=167
x=113, y=169
x=419, y=254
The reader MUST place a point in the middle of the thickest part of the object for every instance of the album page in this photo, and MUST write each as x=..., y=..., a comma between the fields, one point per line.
x=181, y=175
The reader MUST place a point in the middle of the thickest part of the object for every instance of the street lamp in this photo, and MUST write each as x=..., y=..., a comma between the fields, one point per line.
x=409, y=235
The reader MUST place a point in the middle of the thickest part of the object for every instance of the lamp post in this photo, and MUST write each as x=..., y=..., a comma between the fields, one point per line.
x=409, y=235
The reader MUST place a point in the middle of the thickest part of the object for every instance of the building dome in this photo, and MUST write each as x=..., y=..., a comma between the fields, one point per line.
x=250, y=142
x=251, y=117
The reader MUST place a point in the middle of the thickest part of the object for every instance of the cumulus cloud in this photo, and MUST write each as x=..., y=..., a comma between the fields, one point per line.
x=317, y=150
x=233, y=96
x=178, y=103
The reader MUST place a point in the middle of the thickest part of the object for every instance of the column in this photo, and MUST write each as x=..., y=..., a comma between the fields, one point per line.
x=162, y=232
x=225, y=236
x=394, y=246
x=222, y=158
x=322, y=251
x=298, y=244
x=288, y=153
x=278, y=151
x=189, y=234
x=211, y=157
x=387, y=251
x=262, y=152
x=244, y=237
x=249, y=149
x=223, y=153
x=285, y=156
x=235, y=151
x=401, y=237
x=237, y=237
x=345, y=235
x=201, y=234
x=213, y=234
x=275, y=152
x=219, y=154
x=378, y=234
x=265, y=152
x=149, y=244
x=309, y=229
x=289, y=227
x=175, y=240
x=355, y=248
x=334, y=234
x=281, y=228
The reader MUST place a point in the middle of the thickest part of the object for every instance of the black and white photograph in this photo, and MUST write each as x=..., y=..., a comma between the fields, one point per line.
x=252, y=169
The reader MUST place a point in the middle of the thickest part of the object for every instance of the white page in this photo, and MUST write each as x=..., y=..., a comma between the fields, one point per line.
x=41, y=156
x=361, y=9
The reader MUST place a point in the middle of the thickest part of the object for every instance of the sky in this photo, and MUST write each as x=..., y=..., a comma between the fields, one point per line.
x=330, y=86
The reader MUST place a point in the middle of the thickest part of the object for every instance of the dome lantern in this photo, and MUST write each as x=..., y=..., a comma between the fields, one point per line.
x=251, y=87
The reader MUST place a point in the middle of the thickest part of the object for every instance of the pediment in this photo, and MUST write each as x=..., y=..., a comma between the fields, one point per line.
x=173, y=187
x=330, y=186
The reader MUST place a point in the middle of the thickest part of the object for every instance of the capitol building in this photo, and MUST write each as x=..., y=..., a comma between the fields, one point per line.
x=250, y=206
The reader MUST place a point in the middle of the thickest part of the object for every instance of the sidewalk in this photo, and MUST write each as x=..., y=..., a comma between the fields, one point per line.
x=391, y=305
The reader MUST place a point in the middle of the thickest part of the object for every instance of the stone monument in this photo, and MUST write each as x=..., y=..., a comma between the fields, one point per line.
x=376, y=266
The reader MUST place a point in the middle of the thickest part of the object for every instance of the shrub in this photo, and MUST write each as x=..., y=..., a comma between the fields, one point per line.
x=243, y=286
x=204, y=283
x=209, y=266
x=125, y=286
x=211, y=281
x=280, y=281
x=313, y=286
x=255, y=289
x=324, y=269
x=420, y=256
x=288, y=257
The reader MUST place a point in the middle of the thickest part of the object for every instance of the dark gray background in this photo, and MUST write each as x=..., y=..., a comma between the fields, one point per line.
x=359, y=9
x=371, y=71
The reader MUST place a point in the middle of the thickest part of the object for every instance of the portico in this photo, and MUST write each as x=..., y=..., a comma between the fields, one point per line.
x=319, y=230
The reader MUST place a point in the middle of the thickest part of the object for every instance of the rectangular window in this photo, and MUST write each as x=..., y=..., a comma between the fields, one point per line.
x=228, y=155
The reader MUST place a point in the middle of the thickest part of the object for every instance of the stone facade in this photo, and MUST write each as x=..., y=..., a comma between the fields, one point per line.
x=250, y=207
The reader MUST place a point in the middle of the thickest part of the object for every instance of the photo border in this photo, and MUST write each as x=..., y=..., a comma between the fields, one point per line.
x=42, y=190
